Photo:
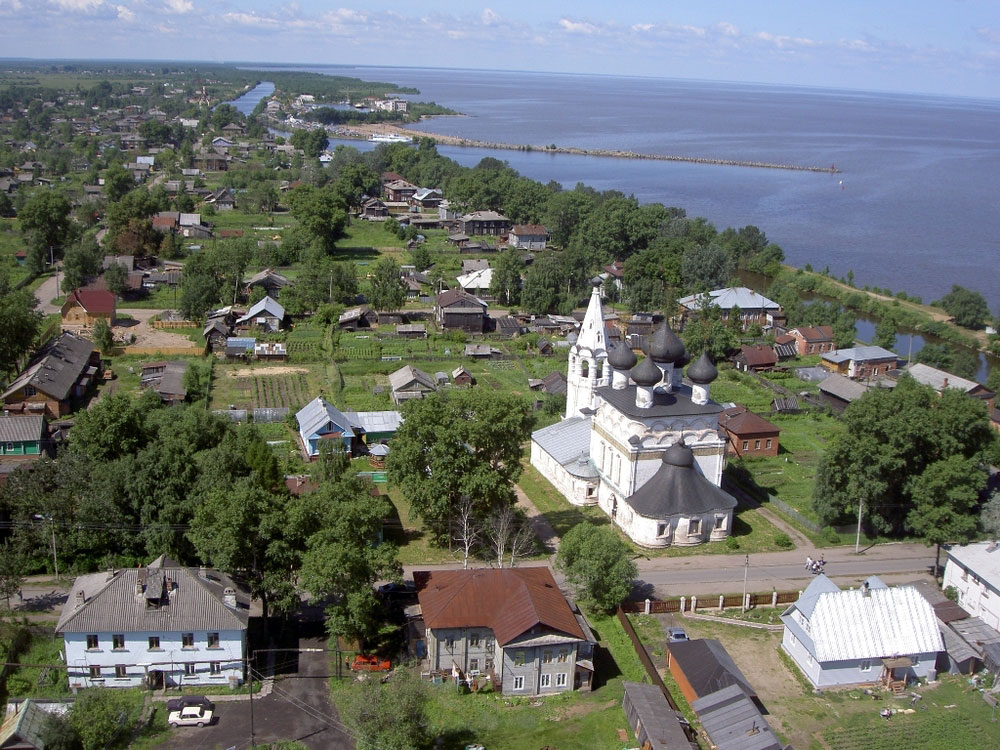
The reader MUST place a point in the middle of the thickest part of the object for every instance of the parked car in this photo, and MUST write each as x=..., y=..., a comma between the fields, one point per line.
x=676, y=634
x=190, y=716
x=177, y=704
x=363, y=663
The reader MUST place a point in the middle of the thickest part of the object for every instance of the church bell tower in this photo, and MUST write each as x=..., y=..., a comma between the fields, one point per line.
x=588, y=358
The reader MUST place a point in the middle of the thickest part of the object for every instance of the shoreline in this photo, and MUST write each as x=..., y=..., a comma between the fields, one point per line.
x=451, y=140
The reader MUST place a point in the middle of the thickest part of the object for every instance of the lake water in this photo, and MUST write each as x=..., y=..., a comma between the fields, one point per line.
x=917, y=209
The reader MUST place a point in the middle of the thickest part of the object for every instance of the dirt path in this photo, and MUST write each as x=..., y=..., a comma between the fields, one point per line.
x=47, y=291
x=539, y=523
x=252, y=372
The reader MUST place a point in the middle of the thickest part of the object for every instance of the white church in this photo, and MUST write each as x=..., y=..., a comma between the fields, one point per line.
x=640, y=441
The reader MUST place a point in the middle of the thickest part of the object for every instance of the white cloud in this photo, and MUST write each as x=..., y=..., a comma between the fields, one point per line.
x=179, y=6
x=489, y=17
x=578, y=27
x=727, y=29
x=79, y=5
x=125, y=13
x=988, y=34
x=641, y=27
x=250, y=19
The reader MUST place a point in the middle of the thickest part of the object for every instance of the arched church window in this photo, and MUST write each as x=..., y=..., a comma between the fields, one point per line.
x=600, y=370
x=585, y=368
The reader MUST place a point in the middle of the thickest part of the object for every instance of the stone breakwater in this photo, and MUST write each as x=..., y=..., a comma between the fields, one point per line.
x=450, y=140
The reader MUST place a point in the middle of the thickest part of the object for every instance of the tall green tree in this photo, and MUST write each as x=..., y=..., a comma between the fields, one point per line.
x=386, y=290
x=104, y=719
x=45, y=218
x=890, y=438
x=104, y=340
x=455, y=445
x=706, y=268
x=967, y=307
x=19, y=324
x=885, y=333
x=321, y=213
x=598, y=564
x=505, y=285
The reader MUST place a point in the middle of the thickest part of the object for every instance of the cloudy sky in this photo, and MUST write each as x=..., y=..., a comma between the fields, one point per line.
x=933, y=46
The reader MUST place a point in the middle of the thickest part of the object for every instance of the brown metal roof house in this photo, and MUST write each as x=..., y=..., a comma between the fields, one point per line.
x=84, y=307
x=512, y=626
x=755, y=358
x=748, y=434
x=812, y=339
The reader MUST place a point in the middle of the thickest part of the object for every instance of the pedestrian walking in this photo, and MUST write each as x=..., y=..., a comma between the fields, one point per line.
x=809, y=562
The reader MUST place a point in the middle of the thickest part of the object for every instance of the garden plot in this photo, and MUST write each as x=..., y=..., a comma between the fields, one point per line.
x=266, y=387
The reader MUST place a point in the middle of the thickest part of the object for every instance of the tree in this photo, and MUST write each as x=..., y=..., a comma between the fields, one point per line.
x=103, y=338
x=967, y=307
x=321, y=213
x=709, y=332
x=386, y=290
x=598, y=564
x=844, y=330
x=389, y=715
x=890, y=438
x=45, y=217
x=58, y=734
x=312, y=142
x=12, y=570
x=705, y=268
x=340, y=524
x=117, y=183
x=465, y=529
x=82, y=259
x=104, y=718
x=885, y=333
x=420, y=257
x=113, y=426
x=19, y=324
x=945, y=496
x=508, y=535
x=240, y=530
x=116, y=279
x=989, y=516
x=956, y=360
x=542, y=282
x=464, y=444
x=505, y=285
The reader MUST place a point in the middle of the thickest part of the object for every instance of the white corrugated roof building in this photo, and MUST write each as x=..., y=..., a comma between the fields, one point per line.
x=871, y=622
x=727, y=299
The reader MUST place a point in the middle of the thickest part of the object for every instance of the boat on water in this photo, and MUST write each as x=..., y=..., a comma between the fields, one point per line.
x=389, y=138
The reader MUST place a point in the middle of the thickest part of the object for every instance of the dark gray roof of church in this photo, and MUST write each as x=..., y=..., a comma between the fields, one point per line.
x=674, y=404
x=678, y=488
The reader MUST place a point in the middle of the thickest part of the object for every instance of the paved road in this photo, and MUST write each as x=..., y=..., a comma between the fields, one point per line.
x=47, y=291
x=298, y=708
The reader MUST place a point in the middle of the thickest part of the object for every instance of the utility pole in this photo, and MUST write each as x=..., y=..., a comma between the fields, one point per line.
x=55, y=561
x=746, y=570
x=857, y=539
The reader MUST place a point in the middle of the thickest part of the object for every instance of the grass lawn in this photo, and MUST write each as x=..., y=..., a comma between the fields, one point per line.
x=39, y=682
x=414, y=543
x=570, y=721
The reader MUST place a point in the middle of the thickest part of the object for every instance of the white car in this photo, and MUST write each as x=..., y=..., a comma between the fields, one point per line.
x=190, y=716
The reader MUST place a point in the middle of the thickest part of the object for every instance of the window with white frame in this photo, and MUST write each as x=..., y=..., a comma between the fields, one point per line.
x=768, y=444
x=213, y=640
x=118, y=642
x=563, y=654
x=215, y=667
x=473, y=665
x=92, y=642
x=187, y=640
x=746, y=444
x=661, y=529
x=474, y=640
x=720, y=523
x=121, y=671
x=95, y=672
x=694, y=526
x=561, y=679
x=519, y=682
x=547, y=656
x=546, y=681
x=154, y=643
x=189, y=669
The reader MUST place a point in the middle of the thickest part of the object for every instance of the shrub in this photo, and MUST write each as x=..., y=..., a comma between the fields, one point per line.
x=732, y=543
x=783, y=541
x=830, y=535
x=951, y=593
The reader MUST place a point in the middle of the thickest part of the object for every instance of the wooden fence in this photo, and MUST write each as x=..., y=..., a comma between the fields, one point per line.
x=644, y=659
x=173, y=324
x=166, y=351
x=709, y=601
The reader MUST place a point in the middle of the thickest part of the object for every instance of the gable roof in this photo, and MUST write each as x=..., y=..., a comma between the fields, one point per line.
x=56, y=367
x=814, y=334
x=481, y=278
x=858, y=354
x=509, y=601
x=568, y=442
x=455, y=296
x=855, y=624
x=317, y=413
x=92, y=300
x=269, y=276
x=408, y=374
x=25, y=725
x=939, y=379
x=730, y=297
x=733, y=722
x=267, y=305
x=758, y=356
x=521, y=229
x=983, y=561
x=739, y=420
x=19, y=429
x=111, y=603
x=843, y=387
x=708, y=666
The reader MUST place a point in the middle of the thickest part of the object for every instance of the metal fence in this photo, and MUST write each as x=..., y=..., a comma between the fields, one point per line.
x=265, y=416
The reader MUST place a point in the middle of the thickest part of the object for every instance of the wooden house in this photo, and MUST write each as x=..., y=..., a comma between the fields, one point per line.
x=84, y=307
x=457, y=310
x=56, y=379
x=748, y=434
x=755, y=358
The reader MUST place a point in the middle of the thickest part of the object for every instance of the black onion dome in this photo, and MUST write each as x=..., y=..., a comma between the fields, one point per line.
x=683, y=361
x=703, y=371
x=596, y=281
x=621, y=357
x=646, y=373
x=679, y=454
x=665, y=346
